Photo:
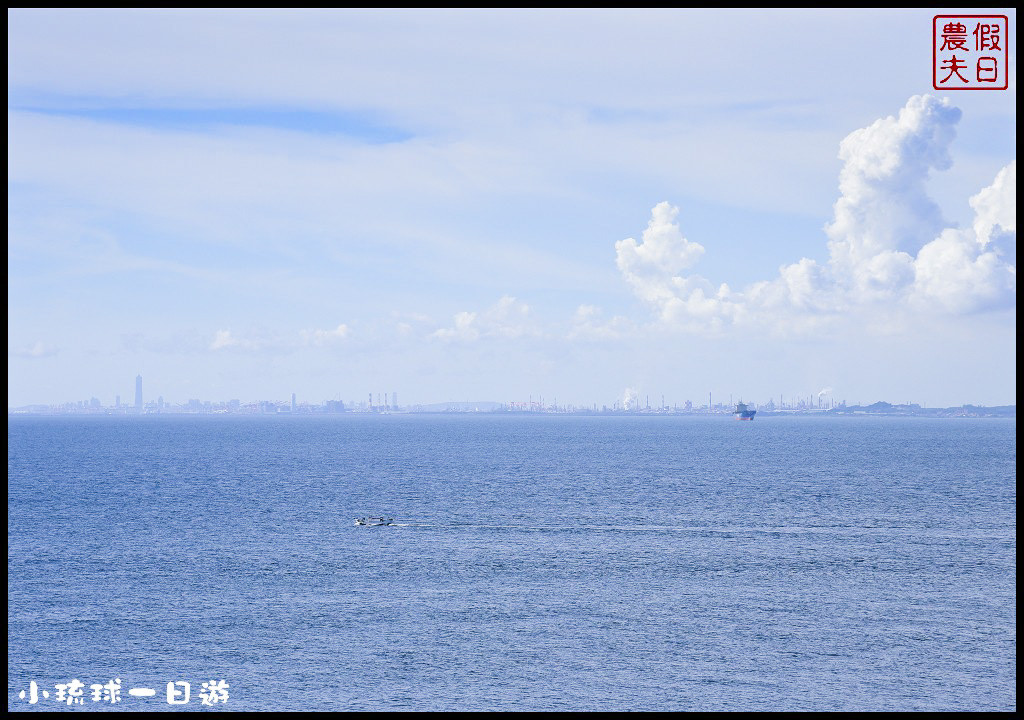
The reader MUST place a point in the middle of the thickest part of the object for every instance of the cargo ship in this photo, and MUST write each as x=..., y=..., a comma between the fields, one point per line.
x=742, y=412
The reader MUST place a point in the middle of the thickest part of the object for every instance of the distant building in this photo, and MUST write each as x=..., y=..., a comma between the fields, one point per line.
x=138, y=393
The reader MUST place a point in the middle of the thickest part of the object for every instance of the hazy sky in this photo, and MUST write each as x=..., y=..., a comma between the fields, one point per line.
x=488, y=205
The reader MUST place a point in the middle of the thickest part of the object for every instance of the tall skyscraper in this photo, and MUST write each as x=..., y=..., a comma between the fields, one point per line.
x=138, y=393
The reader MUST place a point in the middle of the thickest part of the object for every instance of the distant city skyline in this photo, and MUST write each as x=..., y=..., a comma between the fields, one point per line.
x=495, y=204
x=628, y=400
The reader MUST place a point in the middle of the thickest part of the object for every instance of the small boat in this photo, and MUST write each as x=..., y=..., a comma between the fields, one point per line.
x=375, y=521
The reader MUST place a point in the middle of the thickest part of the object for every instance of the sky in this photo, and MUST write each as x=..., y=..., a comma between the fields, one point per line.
x=499, y=205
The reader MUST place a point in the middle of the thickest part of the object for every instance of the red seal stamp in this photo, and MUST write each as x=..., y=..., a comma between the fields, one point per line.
x=970, y=52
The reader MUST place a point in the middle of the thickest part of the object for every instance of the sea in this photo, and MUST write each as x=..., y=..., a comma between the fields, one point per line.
x=537, y=562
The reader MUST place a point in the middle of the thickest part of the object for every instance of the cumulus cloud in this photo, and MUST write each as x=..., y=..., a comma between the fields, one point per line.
x=508, y=318
x=996, y=204
x=650, y=265
x=954, y=274
x=888, y=243
x=884, y=208
x=654, y=267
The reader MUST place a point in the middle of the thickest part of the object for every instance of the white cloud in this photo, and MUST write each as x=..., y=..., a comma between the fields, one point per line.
x=883, y=204
x=651, y=265
x=654, y=268
x=995, y=207
x=464, y=329
x=588, y=324
x=956, y=274
x=410, y=325
x=889, y=248
x=222, y=340
x=322, y=337
x=226, y=340
x=37, y=349
x=508, y=318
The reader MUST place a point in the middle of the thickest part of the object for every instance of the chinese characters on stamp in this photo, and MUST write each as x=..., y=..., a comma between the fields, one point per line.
x=970, y=52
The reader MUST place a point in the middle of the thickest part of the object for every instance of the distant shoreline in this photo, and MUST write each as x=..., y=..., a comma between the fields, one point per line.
x=880, y=409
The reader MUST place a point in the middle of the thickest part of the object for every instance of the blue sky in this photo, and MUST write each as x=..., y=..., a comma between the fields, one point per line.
x=439, y=203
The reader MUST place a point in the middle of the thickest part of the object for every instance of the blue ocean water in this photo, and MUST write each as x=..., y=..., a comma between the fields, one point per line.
x=540, y=562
